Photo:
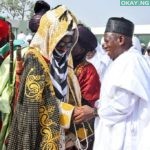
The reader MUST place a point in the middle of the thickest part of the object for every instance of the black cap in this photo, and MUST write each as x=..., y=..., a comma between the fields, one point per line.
x=86, y=39
x=41, y=5
x=120, y=25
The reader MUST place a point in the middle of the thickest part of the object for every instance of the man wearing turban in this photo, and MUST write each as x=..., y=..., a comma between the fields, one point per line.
x=9, y=91
x=49, y=89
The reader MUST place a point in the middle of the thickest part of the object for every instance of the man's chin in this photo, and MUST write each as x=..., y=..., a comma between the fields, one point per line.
x=109, y=54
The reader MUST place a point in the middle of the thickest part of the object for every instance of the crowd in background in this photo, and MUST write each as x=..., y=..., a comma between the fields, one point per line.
x=62, y=89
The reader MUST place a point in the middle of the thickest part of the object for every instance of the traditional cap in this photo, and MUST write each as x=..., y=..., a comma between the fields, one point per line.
x=86, y=39
x=120, y=25
x=4, y=28
x=41, y=5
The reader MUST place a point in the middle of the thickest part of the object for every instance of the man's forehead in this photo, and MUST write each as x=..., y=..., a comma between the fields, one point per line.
x=109, y=35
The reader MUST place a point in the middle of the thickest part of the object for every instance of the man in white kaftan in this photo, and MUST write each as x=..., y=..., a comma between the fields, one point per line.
x=123, y=107
x=123, y=111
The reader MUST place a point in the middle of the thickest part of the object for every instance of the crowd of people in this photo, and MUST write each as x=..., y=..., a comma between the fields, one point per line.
x=65, y=90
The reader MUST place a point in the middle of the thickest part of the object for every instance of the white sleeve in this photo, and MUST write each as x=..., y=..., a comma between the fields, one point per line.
x=118, y=108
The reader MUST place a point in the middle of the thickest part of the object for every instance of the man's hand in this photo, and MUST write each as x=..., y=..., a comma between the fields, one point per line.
x=83, y=113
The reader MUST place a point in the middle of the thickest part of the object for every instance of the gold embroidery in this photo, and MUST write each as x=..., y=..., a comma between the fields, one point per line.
x=50, y=137
x=80, y=68
x=44, y=67
x=34, y=86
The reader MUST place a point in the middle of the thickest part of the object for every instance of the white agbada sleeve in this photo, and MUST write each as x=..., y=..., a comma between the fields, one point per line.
x=118, y=108
x=124, y=105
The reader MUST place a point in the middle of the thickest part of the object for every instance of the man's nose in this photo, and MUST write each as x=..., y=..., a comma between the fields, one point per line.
x=104, y=46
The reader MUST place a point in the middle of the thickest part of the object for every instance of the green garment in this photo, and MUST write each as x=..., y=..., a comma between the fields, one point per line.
x=1, y=17
x=4, y=49
x=6, y=95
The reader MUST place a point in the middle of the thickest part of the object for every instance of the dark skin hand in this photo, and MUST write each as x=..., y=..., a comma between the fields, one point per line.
x=83, y=114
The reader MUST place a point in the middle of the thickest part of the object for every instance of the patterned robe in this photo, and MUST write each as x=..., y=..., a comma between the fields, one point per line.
x=35, y=123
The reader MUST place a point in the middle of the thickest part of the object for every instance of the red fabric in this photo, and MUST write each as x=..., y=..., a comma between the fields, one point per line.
x=17, y=84
x=89, y=82
x=4, y=29
x=19, y=70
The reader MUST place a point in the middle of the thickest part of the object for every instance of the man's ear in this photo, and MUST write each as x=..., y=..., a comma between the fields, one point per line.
x=121, y=40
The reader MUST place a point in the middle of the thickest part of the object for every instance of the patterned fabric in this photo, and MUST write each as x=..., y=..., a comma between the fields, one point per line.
x=89, y=83
x=59, y=77
x=35, y=123
x=54, y=25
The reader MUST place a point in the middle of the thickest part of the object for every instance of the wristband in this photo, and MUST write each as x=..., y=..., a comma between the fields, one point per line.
x=95, y=113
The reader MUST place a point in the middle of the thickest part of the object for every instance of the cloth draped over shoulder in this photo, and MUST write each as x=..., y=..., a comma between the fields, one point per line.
x=124, y=106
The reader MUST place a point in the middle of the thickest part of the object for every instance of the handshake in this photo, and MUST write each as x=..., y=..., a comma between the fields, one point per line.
x=84, y=113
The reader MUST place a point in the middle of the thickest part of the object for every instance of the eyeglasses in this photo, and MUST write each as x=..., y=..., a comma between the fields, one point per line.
x=65, y=43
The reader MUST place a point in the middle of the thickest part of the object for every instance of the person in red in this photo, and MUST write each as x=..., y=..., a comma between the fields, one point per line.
x=4, y=29
x=86, y=73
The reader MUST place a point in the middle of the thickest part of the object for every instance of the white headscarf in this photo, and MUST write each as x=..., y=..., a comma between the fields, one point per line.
x=100, y=61
x=136, y=44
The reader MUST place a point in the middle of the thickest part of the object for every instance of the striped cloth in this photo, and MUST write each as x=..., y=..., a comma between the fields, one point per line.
x=58, y=74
